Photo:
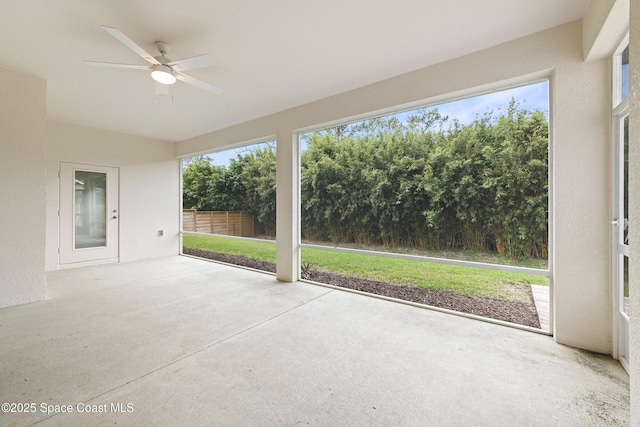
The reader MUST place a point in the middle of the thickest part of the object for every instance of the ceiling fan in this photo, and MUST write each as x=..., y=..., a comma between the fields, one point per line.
x=163, y=70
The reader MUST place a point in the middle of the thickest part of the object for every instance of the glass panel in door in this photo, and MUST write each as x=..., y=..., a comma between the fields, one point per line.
x=623, y=235
x=90, y=209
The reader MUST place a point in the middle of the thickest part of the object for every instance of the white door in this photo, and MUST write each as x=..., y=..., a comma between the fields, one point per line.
x=621, y=238
x=89, y=213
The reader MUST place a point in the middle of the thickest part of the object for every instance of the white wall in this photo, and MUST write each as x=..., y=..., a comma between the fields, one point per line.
x=580, y=152
x=22, y=188
x=149, y=187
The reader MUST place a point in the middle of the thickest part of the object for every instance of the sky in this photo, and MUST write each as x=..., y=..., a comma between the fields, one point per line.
x=530, y=97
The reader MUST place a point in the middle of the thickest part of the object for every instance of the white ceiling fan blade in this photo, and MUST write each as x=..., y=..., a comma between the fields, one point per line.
x=130, y=44
x=200, y=61
x=199, y=83
x=114, y=65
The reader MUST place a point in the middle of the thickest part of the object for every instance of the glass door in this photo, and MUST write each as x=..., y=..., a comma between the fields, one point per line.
x=621, y=236
x=88, y=213
x=620, y=211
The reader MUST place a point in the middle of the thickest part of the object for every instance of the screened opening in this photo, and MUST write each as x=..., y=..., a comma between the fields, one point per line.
x=444, y=205
x=229, y=206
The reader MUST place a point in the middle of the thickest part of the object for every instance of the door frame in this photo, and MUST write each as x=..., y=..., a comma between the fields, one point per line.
x=68, y=255
x=620, y=110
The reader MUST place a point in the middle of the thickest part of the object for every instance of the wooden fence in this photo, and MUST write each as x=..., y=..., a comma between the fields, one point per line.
x=219, y=222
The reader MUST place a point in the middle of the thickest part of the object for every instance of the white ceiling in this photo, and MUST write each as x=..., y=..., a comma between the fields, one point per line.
x=272, y=54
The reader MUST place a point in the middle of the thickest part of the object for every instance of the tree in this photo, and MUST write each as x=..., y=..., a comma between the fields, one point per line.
x=255, y=174
x=197, y=179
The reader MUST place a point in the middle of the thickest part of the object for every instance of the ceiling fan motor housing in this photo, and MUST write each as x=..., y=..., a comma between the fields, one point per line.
x=163, y=74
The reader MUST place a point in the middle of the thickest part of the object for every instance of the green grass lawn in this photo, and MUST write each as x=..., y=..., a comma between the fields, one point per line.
x=461, y=280
x=484, y=257
x=255, y=250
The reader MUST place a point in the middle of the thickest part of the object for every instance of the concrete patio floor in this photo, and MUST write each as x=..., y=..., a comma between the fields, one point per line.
x=181, y=341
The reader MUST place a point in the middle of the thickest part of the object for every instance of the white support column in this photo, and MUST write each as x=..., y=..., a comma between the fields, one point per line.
x=287, y=206
x=581, y=116
x=634, y=208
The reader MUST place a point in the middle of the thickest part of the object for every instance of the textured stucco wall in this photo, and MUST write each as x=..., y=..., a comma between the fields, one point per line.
x=149, y=187
x=634, y=207
x=581, y=205
x=22, y=188
x=580, y=105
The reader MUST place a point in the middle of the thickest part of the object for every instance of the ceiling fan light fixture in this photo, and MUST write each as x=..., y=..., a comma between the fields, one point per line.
x=162, y=68
x=163, y=74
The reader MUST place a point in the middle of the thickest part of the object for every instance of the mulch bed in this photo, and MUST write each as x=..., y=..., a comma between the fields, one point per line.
x=509, y=311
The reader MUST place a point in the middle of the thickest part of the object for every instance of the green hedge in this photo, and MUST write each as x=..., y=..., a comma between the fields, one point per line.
x=417, y=182
x=478, y=187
